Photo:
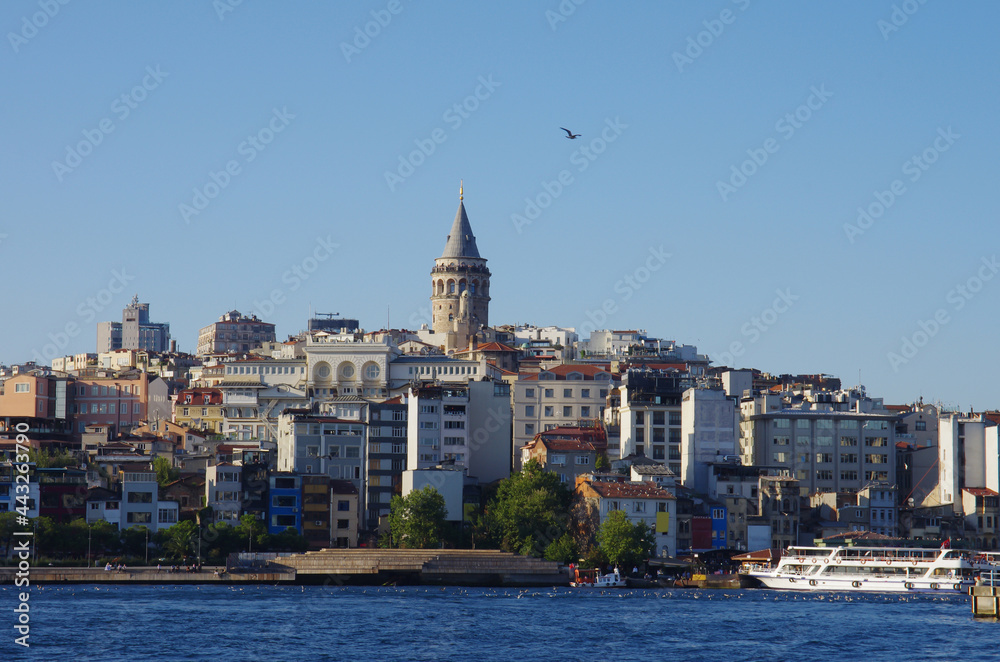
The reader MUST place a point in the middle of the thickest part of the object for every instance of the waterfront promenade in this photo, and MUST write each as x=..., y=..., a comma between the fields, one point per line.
x=331, y=566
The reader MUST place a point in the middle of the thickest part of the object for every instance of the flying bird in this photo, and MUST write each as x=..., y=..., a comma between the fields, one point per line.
x=570, y=134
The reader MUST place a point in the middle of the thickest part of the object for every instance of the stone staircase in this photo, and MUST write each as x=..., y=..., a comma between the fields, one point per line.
x=460, y=567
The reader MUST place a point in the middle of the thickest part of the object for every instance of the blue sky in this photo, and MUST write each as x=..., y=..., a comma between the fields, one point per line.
x=120, y=120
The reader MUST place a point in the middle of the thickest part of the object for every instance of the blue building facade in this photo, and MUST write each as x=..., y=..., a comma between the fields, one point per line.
x=284, y=502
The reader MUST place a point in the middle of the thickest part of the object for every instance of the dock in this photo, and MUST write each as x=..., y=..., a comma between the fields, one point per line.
x=986, y=595
x=331, y=567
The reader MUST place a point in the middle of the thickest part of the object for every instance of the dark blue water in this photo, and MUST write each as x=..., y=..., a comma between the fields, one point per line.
x=418, y=623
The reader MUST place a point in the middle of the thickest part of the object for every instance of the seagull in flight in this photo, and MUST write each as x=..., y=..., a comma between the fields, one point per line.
x=570, y=134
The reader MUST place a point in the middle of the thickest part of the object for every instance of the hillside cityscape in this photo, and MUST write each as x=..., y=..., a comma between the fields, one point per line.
x=313, y=436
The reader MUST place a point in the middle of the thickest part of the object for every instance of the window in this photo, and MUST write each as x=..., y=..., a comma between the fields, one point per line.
x=352, y=452
x=848, y=475
x=284, y=501
x=638, y=506
x=658, y=453
x=781, y=457
x=22, y=388
x=557, y=460
x=848, y=458
x=824, y=474
x=567, y=393
x=343, y=505
x=343, y=523
x=166, y=516
x=874, y=458
x=529, y=428
x=583, y=459
x=549, y=411
x=585, y=393
x=782, y=441
x=584, y=412
x=140, y=518
x=920, y=426
x=824, y=458
x=567, y=412
x=604, y=393
x=782, y=423
x=454, y=425
x=140, y=497
x=876, y=441
x=529, y=410
x=848, y=441
x=529, y=392
x=639, y=418
x=549, y=393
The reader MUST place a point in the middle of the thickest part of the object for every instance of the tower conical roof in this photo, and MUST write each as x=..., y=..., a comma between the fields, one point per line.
x=461, y=241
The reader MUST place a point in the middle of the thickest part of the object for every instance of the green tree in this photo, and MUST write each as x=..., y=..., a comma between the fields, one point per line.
x=529, y=511
x=623, y=543
x=251, y=529
x=8, y=525
x=165, y=471
x=134, y=541
x=417, y=521
x=563, y=550
x=180, y=539
x=43, y=459
x=602, y=463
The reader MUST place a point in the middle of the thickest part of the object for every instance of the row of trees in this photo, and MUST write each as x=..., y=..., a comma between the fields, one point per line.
x=530, y=513
x=70, y=541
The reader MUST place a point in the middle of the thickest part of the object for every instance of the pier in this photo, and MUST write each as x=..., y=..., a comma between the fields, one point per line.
x=986, y=595
x=330, y=567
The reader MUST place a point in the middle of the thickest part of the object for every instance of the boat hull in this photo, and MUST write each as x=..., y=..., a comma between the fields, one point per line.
x=860, y=584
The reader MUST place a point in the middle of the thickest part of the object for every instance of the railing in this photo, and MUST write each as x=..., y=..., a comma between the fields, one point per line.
x=989, y=578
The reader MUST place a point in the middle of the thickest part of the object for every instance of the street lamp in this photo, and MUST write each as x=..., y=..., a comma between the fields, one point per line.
x=89, y=530
x=147, y=544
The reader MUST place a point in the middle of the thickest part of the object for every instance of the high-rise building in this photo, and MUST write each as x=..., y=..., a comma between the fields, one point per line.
x=135, y=331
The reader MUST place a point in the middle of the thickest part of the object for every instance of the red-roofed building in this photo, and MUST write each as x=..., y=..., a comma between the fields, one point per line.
x=564, y=453
x=561, y=396
x=501, y=355
x=645, y=503
x=982, y=509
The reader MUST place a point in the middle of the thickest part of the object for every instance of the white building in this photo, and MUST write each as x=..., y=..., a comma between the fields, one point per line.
x=647, y=503
x=223, y=492
x=465, y=425
x=448, y=481
x=709, y=424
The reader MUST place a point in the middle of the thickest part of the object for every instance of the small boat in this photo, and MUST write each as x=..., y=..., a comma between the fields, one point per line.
x=594, y=579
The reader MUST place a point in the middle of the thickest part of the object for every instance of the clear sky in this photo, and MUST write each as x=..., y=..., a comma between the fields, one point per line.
x=713, y=197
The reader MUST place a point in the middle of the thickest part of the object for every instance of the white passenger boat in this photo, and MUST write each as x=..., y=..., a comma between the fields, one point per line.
x=878, y=569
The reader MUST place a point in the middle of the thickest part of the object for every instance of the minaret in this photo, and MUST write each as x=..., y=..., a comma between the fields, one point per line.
x=460, y=269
